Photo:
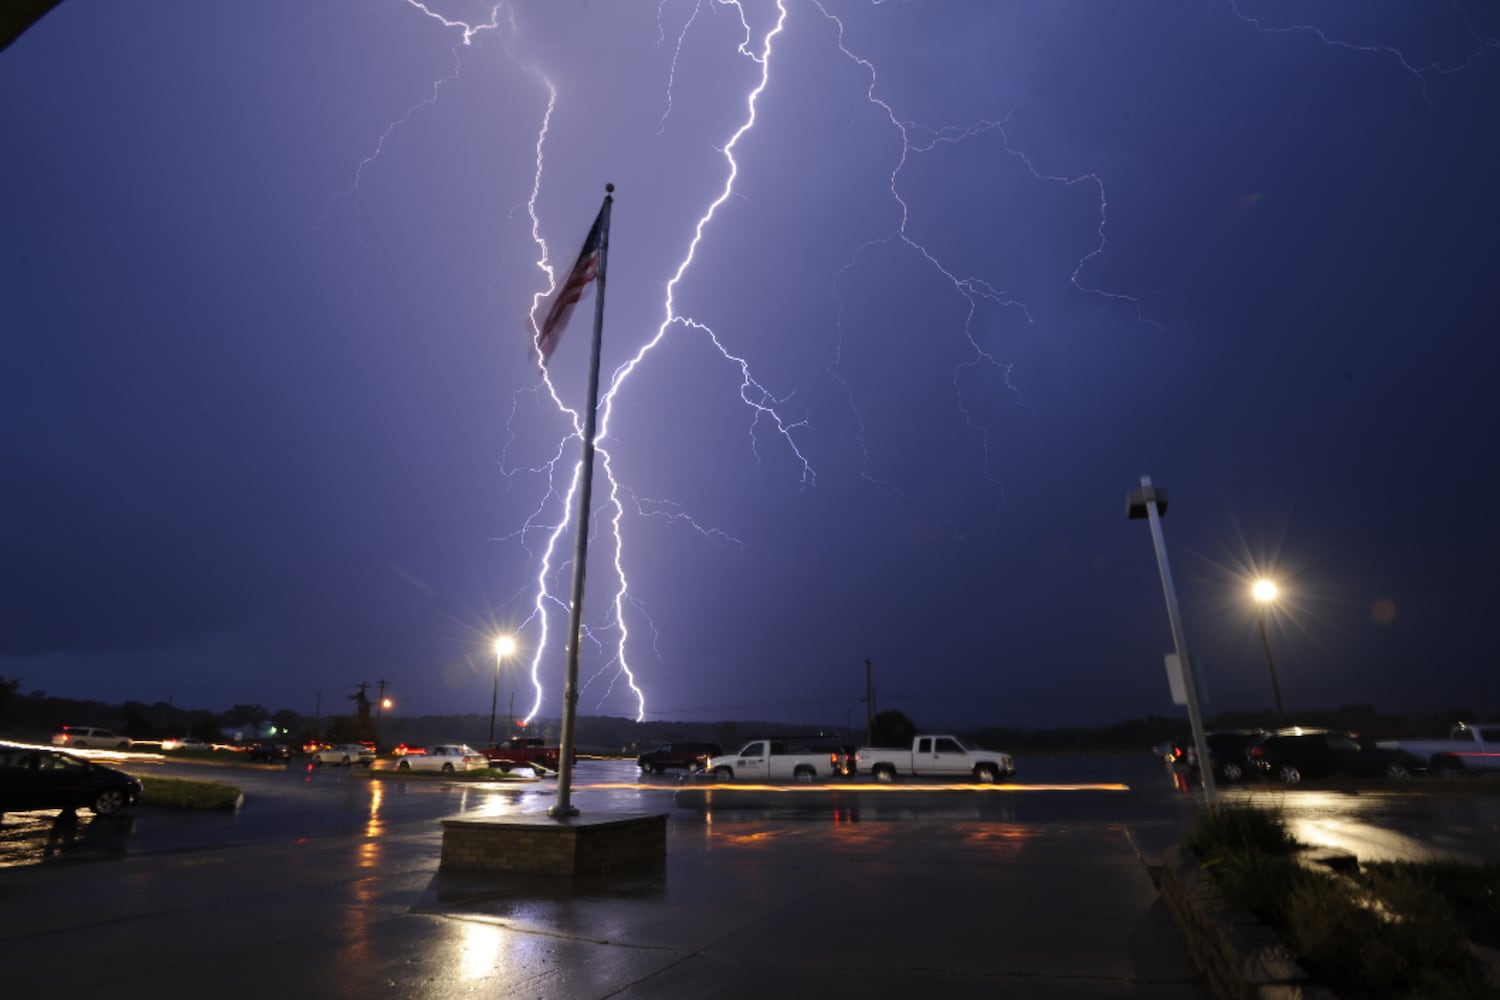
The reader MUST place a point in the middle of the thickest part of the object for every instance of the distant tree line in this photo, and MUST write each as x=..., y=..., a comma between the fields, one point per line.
x=36, y=715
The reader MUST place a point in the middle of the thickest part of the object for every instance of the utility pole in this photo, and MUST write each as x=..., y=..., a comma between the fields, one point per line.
x=379, y=704
x=869, y=706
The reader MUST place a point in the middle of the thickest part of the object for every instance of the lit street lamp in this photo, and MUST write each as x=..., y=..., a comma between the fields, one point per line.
x=1264, y=593
x=504, y=646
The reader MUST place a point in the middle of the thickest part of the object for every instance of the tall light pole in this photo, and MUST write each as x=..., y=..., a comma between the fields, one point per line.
x=1150, y=503
x=1264, y=593
x=504, y=646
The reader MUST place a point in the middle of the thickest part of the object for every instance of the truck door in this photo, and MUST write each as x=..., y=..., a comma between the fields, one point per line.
x=947, y=758
x=754, y=761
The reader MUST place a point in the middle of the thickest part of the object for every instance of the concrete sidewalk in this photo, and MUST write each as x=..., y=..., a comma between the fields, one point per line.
x=739, y=909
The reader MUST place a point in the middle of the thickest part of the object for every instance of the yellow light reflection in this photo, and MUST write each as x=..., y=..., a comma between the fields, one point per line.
x=1005, y=841
x=480, y=950
x=486, y=948
x=881, y=787
x=374, y=827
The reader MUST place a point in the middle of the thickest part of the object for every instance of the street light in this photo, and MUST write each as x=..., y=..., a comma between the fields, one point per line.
x=1149, y=503
x=504, y=646
x=1264, y=592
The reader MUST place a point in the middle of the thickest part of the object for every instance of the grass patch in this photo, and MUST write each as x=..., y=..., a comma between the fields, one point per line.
x=180, y=793
x=1399, y=930
x=1471, y=891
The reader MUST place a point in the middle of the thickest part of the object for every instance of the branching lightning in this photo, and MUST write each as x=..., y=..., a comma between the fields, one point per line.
x=1421, y=72
x=770, y=418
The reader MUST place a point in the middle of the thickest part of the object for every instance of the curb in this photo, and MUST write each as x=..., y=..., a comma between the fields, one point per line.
x=1238, y=957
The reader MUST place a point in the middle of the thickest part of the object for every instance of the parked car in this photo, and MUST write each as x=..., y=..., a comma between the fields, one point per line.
x=1226, y=750
x=185, y=743
x=445, y=757
x=88, y=737
x=343, y=755
x=523, y=752
x=935, y=755
x=271, y=753
x=684, y=756
x=1290, y=755
x=39, y=778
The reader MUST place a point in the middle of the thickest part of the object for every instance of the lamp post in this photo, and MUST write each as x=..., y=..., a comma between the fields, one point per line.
x=1149, y=503
x=504, y=646
x=1264, y=592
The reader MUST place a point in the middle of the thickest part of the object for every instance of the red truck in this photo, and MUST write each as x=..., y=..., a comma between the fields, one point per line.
x=524, y=751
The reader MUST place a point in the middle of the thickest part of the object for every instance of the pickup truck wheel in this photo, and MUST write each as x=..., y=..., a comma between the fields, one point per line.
x=724, y=773
x=985, y=774
x=883, y=772
x=803, y=775
x=1289, y=774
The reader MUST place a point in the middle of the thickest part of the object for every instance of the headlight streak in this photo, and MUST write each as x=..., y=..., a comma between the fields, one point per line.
x=862, y=787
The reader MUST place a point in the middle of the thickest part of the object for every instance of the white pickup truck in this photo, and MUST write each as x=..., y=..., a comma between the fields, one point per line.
x=777, y=760
x=935, y=756
x=1474, y=747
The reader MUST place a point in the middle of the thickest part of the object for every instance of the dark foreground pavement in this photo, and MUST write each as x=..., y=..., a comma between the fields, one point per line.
x=739, y=909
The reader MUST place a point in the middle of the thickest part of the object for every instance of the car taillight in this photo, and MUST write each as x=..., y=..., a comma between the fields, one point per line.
x=1257, y=751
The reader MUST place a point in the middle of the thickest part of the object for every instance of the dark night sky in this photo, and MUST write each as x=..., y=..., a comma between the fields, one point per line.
x=272, y=427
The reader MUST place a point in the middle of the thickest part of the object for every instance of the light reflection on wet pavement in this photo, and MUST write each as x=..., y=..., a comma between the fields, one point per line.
x=300, y=803
x=331, y=877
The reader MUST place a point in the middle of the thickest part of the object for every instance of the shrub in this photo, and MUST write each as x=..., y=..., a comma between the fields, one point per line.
x=1471, y=891
x=1397, y=933
x=179, y=793
x=1235, y=829
x=1260, y=882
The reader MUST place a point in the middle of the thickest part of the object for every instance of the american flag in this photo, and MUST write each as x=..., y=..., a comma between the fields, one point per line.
x=566, y=295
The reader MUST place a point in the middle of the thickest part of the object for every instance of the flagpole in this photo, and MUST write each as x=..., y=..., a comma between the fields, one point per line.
x=565, y=807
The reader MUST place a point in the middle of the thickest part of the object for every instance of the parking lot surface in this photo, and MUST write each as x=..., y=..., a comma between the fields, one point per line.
x=958, y=899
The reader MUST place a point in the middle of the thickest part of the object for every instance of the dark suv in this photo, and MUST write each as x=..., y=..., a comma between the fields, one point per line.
x=39, y=778
x=1226, y=749
x=687, y=756
x=1289, y=755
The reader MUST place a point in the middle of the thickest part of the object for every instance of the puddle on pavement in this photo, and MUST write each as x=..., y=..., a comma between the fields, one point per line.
x=35, y=838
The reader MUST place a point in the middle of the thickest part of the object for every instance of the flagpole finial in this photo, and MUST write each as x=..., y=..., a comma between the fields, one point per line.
x=609, y=189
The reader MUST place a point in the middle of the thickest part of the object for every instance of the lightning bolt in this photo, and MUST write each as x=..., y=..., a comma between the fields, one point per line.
x=1419, y=71
x=917, y=139
x=771, y=418
x=761, y=401
x=768, y=420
